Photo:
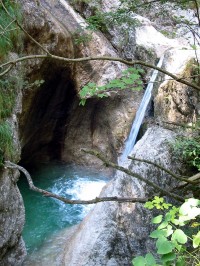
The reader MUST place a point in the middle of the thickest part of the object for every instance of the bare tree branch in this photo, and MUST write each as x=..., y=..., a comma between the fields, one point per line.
x=182, y=125
x=7, y=69
x=128, y=172
x=193, y=178
x=69, y=60
x=46, y=193
x=163, y=169
x=95, y=58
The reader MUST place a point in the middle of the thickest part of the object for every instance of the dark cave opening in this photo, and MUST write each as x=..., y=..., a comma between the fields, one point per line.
x=44, y=129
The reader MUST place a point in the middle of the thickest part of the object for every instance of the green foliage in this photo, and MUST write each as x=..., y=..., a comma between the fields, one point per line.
x=10, y=36
x=130, y=79
x=6, y=141
x=81, y=37
x=188, y=149
x=148, y=260
x=97, y=21
x=172, y=239
x=157, y=203
x=100, y=20
x=8, y=93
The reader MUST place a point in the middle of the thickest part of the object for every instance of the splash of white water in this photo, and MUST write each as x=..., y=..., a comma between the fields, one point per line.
x=78, y=188
x=130, y=142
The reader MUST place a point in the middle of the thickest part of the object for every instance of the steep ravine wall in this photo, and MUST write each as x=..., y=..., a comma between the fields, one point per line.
x=48, y=123
x=63, y=126
x=52, y=126
x=113, y=233
x=12, y=214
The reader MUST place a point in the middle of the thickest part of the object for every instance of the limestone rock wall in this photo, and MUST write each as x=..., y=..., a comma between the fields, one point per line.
x=64, y=127
x=12, y=249
x=113, y=232
x=52, y=125
x=175, y=102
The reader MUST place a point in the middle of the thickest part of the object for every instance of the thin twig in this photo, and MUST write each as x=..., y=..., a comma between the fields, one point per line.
x=162, y=168
x=136, y=175
x=7, y=70
x=195, y=178
x=182, y=125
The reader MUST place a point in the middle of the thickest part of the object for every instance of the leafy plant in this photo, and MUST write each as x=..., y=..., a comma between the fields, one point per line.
x=8, y=91
x=97, y=21
x=188, y=149
x=6, y=141
x=10, y=35
x=130, y=79
x=81, y=37
x=172, y=239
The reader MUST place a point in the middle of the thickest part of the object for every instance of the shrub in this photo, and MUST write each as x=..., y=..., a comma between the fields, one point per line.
x=188, y=149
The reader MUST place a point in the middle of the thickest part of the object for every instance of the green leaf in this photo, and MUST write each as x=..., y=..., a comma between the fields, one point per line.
x=180, y=236
x=157, y=233
x=164, y=246
x=168, y=257
x=163, y=225
x=196, y=240
x=149, y=205
x=150, y=260
x=127, y=81
x=157, y=219
x=167, y=205
x=139, y=261
x=168, y=231
x=180, y=261
x=82, y=102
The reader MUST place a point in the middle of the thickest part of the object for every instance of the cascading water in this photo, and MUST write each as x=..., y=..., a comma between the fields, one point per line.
x=130, y=142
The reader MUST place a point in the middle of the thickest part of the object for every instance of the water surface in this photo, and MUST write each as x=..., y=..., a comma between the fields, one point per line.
x=46, y=217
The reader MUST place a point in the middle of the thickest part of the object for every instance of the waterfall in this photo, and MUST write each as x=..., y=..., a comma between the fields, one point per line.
x=130, y=142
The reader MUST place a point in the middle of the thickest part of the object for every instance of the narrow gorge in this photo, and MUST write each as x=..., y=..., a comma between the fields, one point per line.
x=51, y=128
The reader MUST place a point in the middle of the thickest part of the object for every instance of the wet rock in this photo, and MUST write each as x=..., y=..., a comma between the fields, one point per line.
x=12, y=249
x=113, y=233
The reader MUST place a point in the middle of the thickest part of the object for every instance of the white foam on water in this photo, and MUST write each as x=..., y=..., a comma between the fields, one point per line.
x=77, y=188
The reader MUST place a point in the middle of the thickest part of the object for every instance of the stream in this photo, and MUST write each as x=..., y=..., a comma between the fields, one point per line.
x=46, y=217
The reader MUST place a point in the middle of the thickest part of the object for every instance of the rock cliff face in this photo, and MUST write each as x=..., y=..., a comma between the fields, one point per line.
x=12, y=216
x=175, y=102
x=120, y=231
x=49, y=123
x=12, y=249
x=53, y=126
x=63, y=127
x=113, y=232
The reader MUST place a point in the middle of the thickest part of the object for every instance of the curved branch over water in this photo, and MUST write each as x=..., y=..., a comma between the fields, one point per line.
x=46, y=193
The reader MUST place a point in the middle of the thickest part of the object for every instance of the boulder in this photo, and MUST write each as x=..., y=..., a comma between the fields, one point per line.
x=113, y=233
